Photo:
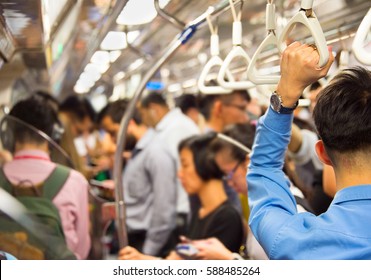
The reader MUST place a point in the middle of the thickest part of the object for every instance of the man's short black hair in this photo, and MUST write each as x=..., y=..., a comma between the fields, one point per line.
x=116, y=110
x=314, y=86
x=203, y=159
x=153, y=98
x=80, y=107
x=206, y=101
x=242, y=133
x=343, y=112
x=186, y=102
x=36, y=112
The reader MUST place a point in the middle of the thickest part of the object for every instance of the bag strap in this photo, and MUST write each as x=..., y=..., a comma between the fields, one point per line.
x=4, y=182
x=55, y=181
x=51, y=186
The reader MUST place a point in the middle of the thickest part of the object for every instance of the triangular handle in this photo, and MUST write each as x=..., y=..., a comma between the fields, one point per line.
x=214, y=61
x=237, y=51
x=359, y=51
x=314, y=27
x=252, y=72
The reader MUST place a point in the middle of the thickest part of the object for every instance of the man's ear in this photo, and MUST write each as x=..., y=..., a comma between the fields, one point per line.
x=322, y=153
x=218, y=106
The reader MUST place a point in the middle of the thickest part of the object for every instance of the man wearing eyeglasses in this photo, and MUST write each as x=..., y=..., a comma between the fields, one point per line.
x=221, y=110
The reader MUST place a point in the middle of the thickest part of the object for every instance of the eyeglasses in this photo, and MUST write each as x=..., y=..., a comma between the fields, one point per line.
x=231, y=173
x=242, y=108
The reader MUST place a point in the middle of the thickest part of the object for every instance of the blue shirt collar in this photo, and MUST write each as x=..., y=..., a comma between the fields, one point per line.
x=360, y=192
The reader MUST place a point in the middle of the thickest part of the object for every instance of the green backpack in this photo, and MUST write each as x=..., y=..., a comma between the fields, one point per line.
x=38, y=234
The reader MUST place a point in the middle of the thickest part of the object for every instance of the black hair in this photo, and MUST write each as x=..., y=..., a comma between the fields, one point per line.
x=203, y=159
x=36, y=112
x=153, y=97
x=242, y=133
x=343, y=112
x=186, y=102
x=242, y=92
x=116, y=111
x=206, y=102
x=314, y=86
x=79, y=107
x=47, y=97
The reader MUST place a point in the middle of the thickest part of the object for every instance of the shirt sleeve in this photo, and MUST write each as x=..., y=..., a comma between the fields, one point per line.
x=162, y=171
x=72, y=202
x=271, y=202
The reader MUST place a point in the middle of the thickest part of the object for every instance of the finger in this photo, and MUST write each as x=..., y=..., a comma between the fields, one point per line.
x=293, y=45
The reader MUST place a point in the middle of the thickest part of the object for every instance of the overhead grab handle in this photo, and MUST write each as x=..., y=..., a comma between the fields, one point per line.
x=359, y=51
x=271, y=39
x=307, y=17
x=214, y=61
x=237, y=51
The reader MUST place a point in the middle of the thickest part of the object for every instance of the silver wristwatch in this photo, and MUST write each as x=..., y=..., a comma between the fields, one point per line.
x=276, y=104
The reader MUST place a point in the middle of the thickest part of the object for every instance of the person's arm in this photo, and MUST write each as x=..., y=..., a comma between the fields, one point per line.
x=296, y=139
x=130, y=253
x=212, y=249
x=271, y=203
x=162, y=172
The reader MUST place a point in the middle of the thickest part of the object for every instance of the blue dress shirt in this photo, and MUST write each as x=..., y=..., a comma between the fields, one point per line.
x=343, y=232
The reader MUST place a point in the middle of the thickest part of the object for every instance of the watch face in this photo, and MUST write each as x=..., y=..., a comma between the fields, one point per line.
x=275, y=102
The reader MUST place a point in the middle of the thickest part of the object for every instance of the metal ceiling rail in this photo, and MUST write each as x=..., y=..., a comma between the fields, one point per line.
x=180, y=39
x=171, y=19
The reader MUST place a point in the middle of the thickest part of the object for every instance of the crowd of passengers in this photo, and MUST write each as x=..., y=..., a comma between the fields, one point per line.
x=232, y=178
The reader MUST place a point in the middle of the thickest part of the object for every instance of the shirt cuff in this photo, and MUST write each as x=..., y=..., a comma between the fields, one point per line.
x=280, y=123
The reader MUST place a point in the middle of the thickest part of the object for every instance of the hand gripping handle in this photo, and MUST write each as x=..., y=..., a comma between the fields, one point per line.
x=314, y=27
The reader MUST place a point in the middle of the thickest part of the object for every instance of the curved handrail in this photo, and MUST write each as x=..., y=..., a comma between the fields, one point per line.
x=214, y=61
x=237, y=51
x=360, y=53
x=308, y=18
x=271, y=39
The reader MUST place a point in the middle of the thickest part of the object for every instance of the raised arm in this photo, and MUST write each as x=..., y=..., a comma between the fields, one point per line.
x=272, y=205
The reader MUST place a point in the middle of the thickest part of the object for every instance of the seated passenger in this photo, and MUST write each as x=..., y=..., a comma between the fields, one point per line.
x=32, y=164
x=232, y=150
x=342, y=117
x=200, y=175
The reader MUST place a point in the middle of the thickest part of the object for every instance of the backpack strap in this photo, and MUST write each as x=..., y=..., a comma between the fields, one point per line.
x=55, y=181
x=4, y=182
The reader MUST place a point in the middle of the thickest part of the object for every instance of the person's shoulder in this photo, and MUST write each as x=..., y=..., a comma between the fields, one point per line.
x=75, y=177
x=227, y=211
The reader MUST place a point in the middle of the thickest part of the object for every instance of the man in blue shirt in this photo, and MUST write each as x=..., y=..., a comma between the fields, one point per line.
x=342, y=117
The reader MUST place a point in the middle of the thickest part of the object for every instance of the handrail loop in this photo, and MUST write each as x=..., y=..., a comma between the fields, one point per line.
x=237, y=51
x=307, y=17
x=359, y=51
x=215, y=60
x=271, y=39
